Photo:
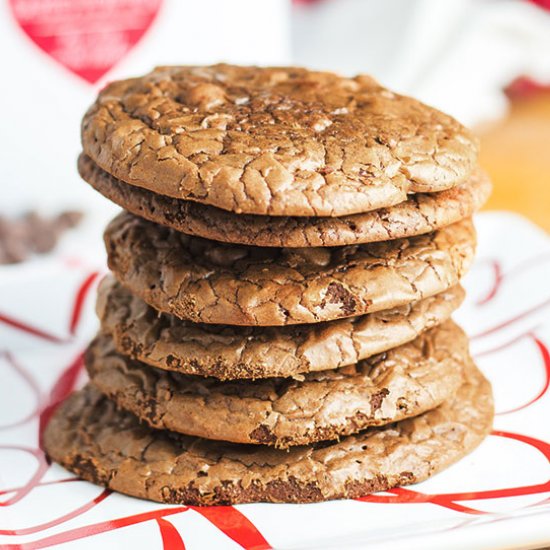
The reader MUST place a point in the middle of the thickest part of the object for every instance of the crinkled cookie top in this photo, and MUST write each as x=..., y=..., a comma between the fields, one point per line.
x=208, y=282
x=275, y=141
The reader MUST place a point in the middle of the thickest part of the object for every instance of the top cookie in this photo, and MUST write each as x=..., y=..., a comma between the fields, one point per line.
x=275, y=141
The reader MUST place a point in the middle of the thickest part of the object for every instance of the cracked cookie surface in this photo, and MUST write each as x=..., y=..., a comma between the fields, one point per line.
x=90, y=437
x=274, y=141
x=209, y=282
x=420, y=213
x=231, y=352
x=400, y=383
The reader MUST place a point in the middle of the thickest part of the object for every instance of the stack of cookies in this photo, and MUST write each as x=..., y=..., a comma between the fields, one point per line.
x=277, y=323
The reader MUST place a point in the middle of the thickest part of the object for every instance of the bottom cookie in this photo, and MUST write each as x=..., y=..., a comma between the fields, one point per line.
x=90, y=437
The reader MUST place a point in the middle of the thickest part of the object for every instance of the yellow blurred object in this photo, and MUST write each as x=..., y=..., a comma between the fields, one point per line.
x=516, y=154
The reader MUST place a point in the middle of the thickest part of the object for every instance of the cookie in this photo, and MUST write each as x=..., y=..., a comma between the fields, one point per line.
x=231, y=352
x=420, y=213
x=274, y=141
x=89, y=436
x=209, y=282
x=403, y=382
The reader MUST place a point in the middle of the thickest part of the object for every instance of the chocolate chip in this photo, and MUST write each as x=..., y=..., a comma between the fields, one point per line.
x=32, y=233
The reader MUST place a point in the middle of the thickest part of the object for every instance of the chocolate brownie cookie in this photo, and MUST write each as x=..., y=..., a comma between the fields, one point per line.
x=209, y=282
x=231, y=352
x=274, y=141
x=403, y=382
x=420, y=213
x=92, y=438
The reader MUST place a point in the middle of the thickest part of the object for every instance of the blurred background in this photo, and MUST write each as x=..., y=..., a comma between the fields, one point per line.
x=487, y=62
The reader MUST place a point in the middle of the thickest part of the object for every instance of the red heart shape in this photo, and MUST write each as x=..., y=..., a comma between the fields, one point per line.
x=87, y=37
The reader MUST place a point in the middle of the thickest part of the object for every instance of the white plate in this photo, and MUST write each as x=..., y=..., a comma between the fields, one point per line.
x=497, y=497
